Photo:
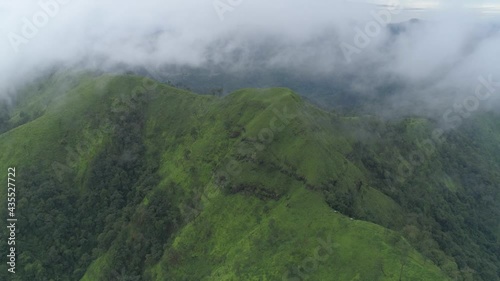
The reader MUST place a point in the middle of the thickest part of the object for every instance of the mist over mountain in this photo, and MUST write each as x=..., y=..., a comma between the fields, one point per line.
x=250, y=140
x=341, y=48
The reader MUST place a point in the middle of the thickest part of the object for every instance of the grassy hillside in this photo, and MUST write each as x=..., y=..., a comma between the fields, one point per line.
x=120, y=176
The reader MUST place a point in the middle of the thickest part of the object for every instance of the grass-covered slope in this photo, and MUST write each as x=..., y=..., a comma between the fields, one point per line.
x=119, y=176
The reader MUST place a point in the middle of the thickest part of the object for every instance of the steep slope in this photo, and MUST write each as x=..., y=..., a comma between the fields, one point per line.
x=119, y=176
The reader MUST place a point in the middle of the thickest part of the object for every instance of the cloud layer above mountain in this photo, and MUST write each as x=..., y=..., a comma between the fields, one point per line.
x=446, y=52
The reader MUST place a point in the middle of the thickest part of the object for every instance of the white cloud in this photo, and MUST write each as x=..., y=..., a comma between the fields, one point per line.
x=305, y=34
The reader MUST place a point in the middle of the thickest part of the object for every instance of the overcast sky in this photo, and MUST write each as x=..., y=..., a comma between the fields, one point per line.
x=456, y=44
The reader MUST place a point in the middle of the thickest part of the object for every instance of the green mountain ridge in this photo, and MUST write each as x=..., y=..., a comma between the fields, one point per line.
x=121, y=177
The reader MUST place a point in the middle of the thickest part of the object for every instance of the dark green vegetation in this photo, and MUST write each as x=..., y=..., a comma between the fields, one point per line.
x=122, y=178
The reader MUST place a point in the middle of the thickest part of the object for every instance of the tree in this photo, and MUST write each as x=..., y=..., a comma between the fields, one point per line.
x=4, y=117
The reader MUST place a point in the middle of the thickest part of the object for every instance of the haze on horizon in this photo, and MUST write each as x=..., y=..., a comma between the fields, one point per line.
x=441, y=58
